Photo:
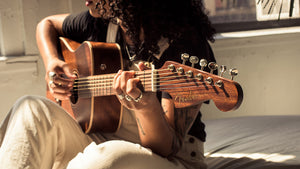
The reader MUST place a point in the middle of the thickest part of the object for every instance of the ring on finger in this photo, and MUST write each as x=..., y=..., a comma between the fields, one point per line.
x=128, y=98
x=139, y=97
x=51, y=75
x=51, y=83
x=121, y=96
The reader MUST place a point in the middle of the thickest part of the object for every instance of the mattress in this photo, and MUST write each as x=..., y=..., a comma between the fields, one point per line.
x=256, y=142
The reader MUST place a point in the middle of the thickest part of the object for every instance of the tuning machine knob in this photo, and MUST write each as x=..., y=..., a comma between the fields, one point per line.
x=212, y=66
x=194, y=60
x=184, y=58
x=171, y=67
x=203, y=63
x=209, y=80
x=223, y=69
x=233, y=72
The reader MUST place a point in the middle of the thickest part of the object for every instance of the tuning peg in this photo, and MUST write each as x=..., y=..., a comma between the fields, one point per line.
x=194, y=60
x=203, y=63
x=222, y=70
x=180, y=70
x=233, y=72
x=184, y=58
x=212, y=66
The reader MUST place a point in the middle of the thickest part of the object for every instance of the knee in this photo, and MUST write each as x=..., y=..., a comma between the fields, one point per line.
x=123, y=150
x=30, y=107
x=26, y=100
x=113, y=154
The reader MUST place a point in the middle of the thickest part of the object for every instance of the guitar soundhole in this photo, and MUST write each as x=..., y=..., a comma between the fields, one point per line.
x=74, y=91
x=74, y=96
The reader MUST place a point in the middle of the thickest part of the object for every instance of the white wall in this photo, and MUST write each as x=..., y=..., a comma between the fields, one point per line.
x=268, y=65
x=268, y=72
x=21, y=69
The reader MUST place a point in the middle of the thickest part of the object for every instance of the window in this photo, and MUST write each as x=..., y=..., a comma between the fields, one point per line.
x=238, y=15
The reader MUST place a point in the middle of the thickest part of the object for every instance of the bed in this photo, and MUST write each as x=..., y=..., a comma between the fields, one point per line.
x=259, y=142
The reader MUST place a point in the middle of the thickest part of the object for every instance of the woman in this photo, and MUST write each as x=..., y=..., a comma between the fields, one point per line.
x=153, y=134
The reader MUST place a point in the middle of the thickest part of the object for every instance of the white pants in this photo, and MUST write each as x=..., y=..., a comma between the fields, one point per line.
x=38, y=134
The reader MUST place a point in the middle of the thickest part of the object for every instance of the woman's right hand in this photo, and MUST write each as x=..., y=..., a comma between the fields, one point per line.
x=61, y=84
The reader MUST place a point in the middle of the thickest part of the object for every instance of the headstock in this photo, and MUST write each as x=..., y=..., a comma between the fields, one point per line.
x=188, y=85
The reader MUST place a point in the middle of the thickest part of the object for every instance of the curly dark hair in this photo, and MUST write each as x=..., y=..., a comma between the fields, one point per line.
x=162, y=18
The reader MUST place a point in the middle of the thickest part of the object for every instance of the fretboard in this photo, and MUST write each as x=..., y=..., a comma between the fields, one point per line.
x=102, y=85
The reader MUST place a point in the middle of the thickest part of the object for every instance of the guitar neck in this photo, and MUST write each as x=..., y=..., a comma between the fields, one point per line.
x=102, y=85
x=187, y=86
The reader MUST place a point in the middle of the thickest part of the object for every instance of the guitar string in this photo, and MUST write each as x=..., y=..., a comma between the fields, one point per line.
x=103, y=81
x=182, y=93
x=108, y=79
x=100, y=89
x=106, y=91
x=102, y=77
x=161, y=88
x=175, y=83
x=178, y=82
x=111, y=76
x=88, y=85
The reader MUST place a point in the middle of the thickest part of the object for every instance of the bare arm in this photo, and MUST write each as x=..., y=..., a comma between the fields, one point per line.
x=47, y=33
x=180, y=119
x=155, y=131
x=156, y=121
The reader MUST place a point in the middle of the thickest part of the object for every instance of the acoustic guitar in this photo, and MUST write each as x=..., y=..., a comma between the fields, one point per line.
x=94, y=104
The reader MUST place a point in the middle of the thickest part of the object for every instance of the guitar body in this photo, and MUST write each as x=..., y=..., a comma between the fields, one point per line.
x=88, y=59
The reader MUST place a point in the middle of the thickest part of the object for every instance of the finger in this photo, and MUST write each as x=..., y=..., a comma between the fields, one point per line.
x=60, y=92
x=61, y=81
x=125, y=76
x=61, y=96
x=62, y=69
x=67, y=71
x=142, y=66
x=56, y=88
x=116, y=83
x=132, y=90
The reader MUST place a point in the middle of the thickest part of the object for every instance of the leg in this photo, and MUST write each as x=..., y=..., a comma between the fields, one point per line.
x=120, y=155
x=37, y=134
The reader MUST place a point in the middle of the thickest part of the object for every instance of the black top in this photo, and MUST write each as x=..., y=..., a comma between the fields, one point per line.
x=83, y=26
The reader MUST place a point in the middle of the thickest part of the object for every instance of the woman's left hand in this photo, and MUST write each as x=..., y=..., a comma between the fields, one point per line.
x=129, y=94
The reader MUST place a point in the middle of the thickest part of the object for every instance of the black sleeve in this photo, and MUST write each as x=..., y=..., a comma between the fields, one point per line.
x=194, y=47
x=76, y=26
x=83, y=26
x=198, y=128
